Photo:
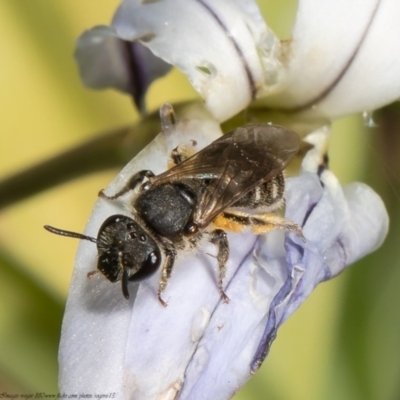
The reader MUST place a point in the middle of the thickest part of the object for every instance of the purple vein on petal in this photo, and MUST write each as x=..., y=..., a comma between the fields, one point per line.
x=269, y=334
x=317, y=99
x=246, y=67
x=136, y=75
x=142, y=69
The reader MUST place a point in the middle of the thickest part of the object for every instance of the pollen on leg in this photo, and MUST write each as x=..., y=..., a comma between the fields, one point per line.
x=230, y=223
x=260, y=229
x=264, y=223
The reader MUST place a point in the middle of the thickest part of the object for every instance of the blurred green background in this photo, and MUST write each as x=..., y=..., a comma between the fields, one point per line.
x=343, y=343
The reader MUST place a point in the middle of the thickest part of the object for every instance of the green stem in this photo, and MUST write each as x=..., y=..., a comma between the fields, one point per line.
x=110, y=149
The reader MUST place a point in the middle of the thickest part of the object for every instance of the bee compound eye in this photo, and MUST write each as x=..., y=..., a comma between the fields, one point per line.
x=191, y=229
x=149, y=266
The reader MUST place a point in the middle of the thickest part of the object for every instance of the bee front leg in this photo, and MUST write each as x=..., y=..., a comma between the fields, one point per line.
x=219, y=237
x=133, y=182
x=181, y=153
x=166, y=270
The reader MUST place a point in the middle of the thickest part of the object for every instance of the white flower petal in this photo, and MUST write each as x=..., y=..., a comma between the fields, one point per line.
x=344, y=58
x=199, y=346
x=217, y=44
x=371, y=214
x=97, y=320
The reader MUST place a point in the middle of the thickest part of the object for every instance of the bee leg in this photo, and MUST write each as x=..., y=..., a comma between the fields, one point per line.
x=262, y=223
x=219, y=237
x=92, y=273
x=166, y=270
x=133, y=182
x=237, y=221
x=181, y=153
x=176, y=156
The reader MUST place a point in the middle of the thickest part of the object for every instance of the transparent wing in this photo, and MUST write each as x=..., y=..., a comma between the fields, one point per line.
x=235, y=163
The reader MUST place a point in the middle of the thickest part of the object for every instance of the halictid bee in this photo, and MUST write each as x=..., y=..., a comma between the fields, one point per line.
x=232, y=184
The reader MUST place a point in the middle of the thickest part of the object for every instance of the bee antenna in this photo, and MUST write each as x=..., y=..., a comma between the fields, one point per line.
x=69, y=234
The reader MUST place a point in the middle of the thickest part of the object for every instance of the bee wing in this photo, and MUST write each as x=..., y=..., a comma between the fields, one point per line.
x=202, y=165
x=256, y=153
x=235, y=163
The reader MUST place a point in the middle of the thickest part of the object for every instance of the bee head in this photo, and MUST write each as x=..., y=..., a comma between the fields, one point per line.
x=126, y=251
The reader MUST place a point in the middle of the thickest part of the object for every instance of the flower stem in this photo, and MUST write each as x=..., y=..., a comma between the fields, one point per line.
x=108, y=150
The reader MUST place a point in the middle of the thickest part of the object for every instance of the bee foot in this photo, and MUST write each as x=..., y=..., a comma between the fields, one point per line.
x=224, y=297
x=163, y=303
x=91, y=274
x=299, y=232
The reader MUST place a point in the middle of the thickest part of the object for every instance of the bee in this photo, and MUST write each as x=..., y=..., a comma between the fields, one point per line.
x=233, y=184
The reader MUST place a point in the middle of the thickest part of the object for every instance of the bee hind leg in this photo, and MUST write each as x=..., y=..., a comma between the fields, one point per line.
x=263, y=223
x=260, y=223
x=219, y=238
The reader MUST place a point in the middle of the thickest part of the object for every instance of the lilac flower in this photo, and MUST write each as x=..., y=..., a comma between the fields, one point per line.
x=198, y=347
x=343, y=56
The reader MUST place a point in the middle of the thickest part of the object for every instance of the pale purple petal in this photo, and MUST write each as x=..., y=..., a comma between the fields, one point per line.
x=97, y=319
x=107, y=61
x=269, y=285
x=199, y=346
